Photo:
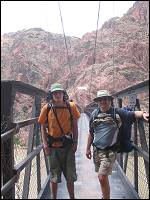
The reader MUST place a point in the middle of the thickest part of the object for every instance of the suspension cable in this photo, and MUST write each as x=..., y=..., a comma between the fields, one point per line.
x=94, y=55
x=49, y=60
x=113, y=50
x=71, y=75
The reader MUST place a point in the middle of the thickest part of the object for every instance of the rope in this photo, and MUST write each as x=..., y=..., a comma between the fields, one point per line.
x=67, y=51
x=94, y=59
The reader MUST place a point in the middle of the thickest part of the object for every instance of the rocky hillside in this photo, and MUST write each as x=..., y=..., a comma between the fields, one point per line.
x=120, y=60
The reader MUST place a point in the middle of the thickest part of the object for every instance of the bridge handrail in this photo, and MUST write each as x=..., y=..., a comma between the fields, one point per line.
x=25, y=88
x=17, y=126
x=19, y=167
x=135, y=89
x=12, y=174
x=141, y=152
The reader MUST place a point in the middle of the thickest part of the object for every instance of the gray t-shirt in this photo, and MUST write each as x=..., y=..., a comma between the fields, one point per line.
x=105, y=130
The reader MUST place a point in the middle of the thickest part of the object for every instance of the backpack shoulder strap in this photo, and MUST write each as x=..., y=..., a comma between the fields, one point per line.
x=95, y=113
x=49, y=106
x=93, y=116
x=119, y=128
x=114, y=116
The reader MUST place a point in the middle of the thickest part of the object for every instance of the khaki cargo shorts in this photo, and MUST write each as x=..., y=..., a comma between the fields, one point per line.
x=103, y=161
x=62, y=160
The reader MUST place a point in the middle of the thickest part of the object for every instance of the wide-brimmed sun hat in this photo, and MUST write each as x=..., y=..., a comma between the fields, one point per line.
x=102, y=93
x=56, y=87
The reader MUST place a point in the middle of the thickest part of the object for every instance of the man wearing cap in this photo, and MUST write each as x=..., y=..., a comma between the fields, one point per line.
x=61, y=154
x=103, y=135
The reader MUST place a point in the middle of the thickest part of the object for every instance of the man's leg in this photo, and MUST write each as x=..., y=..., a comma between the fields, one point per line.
x=70, y=187
x=106, y=165
x=53, y=187
x=104, y=182
x=70, y=172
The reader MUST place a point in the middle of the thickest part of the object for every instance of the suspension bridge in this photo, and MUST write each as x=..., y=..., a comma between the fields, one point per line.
x=25, y=171
x=24, y=168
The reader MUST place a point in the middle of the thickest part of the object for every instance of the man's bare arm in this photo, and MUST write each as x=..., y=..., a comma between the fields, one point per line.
x=140, y=114
x=75, y=130
x=75, y=135
x=44, y=139
x=88, y=148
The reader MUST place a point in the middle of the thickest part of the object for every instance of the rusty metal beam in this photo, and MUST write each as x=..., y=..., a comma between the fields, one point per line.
x=25, y=88
x=135, y=89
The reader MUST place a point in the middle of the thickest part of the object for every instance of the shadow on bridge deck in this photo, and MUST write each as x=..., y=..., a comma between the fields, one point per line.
x=87, y=185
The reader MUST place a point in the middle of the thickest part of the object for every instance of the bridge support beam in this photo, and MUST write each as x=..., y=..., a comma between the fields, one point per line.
x=7, y=148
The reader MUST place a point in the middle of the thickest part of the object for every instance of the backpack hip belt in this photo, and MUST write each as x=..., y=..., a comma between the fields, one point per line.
x=66, y=140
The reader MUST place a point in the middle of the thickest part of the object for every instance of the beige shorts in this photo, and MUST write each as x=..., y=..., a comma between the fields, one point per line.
x=103, y=161
x=62, y=160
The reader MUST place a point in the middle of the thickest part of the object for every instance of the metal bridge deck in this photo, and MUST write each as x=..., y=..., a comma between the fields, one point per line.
x=87, y=185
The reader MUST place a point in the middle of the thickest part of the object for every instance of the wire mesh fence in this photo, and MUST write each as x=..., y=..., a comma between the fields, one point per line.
x=20, y=154
x=143, y=189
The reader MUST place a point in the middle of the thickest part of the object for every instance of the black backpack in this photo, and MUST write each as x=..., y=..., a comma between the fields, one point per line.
x=124, y=135
x=123, y=144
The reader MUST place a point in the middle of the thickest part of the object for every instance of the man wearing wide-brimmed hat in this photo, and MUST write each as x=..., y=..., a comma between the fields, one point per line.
x=103, y=136
x=102, y=93
x=60, y=142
